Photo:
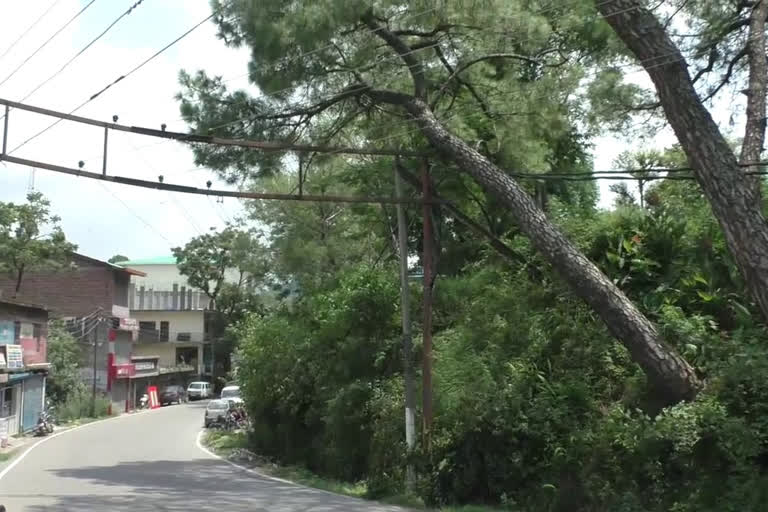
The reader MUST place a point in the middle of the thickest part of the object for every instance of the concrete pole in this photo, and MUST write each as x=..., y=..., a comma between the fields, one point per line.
x=94, y=335
x=427, y=261
x=405, y=307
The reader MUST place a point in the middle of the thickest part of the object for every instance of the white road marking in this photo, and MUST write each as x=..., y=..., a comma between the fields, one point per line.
x=21, y=457
x=276, y=479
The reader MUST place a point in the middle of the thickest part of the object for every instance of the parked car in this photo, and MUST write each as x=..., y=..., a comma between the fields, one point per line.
x=171, y=394
x=216, y=413
x=199, y=390
x=231, y=393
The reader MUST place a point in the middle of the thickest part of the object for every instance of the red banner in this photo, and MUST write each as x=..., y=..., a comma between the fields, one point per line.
x=154, y=402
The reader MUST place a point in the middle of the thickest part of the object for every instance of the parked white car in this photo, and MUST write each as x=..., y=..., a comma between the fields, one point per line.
x=199, y=390
x=231, y=393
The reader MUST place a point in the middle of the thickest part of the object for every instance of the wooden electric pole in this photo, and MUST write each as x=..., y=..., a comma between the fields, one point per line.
x=405, y=308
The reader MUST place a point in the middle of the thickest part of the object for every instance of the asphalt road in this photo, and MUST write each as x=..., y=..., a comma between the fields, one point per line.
x=149, y=462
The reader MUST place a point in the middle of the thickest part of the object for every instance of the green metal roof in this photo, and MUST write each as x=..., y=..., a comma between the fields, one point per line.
x=160, y=260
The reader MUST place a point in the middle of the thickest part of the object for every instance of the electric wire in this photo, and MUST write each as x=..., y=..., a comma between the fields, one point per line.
x=31, y=56
x=118, y=79
x=82, y=50
x=29, y=29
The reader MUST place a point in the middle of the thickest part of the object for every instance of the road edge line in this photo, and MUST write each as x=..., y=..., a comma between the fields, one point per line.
x=199, y=443
x=23, y=454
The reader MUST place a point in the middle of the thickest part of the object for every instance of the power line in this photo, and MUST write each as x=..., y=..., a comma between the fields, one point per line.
x=118, y=79
x=306, y=197
x=205, y=139
x=132, y=212
x=33, y=25
x=178, y=205
x=24, y=62
x=84, y=49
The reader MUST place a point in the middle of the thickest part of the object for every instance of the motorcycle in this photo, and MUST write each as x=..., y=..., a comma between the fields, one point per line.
x=45, y=422
x=144, y=401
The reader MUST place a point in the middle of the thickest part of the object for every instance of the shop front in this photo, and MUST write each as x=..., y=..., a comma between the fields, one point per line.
x=146, y=374
x=22, y=397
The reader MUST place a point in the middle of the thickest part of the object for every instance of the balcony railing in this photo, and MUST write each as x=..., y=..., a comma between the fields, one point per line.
x=173, y=297
x=160, y=336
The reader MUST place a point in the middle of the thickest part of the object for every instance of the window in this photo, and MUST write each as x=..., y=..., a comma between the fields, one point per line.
x=186, y=356
x=37, y=333
x=164, y=327
x=6, y=403
x=148, y=331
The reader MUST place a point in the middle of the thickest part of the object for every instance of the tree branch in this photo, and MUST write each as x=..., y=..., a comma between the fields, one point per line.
x=754, y=130
x=351, y=91
x=490, y=56
x=403, y=50
x=728, y=74
x=442, y=27
x=495, y=242
x=470, y=88
x=713, y=54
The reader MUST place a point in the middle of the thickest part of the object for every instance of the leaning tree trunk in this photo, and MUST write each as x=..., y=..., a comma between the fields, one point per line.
x=667, y=371
x=732, y=195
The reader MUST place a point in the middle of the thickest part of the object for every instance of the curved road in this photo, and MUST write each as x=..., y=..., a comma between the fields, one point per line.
x=149, y=462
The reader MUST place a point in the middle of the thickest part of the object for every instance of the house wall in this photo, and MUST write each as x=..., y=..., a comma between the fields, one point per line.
x=179, y=321
x=33, y=344
x=164, y=276
x=166, y=352
x=71, y=292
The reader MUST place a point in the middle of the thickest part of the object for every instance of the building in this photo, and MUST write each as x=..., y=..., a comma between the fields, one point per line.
x=174, y=321
x=23, y=365
x=92, y=296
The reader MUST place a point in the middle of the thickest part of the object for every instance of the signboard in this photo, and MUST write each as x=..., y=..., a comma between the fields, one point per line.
x=120, y=311
x=14, y=357
x=123, y=371
x=143, y=366
x=129, y=324
x=7, y=331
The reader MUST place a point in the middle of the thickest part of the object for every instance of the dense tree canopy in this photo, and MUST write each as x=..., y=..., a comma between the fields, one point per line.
x=536, y=405
x=31, y=238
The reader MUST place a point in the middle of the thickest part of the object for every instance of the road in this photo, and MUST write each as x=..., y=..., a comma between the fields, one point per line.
x=148, y=462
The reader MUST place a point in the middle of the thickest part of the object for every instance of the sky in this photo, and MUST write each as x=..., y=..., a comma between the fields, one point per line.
x=102, y=218
x=105, y=219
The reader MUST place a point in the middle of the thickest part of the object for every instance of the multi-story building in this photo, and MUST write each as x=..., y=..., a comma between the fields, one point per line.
x=92, y=295
x=175, y=329
x=23, y=365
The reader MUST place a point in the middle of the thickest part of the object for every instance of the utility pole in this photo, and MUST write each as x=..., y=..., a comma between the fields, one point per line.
x=405, y=308
x=427, y=260
x=95, y=351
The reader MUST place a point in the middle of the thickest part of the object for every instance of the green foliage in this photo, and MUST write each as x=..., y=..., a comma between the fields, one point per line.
x=206, y=259
x=78, y=405
x=537, y=408
x=31, y=238
x=308, y=372
x=118, y=258
x=64, y=355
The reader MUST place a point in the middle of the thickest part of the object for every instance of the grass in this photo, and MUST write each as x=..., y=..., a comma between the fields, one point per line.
x=224, y=443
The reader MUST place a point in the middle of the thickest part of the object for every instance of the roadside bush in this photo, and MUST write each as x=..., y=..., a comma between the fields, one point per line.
x=537, y=407
x=78, y=405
